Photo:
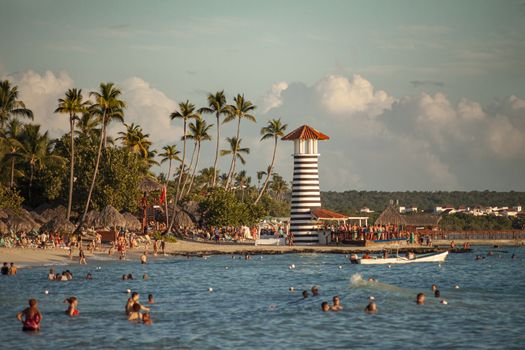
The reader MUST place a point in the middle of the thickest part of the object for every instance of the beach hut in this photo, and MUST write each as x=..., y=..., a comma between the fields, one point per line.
x=149, y=184
x=3, y=227
x=20, y=223
x=3, y=214
x=91, y=217
x=182, y=219
x=391, y=216
x=132, y=223
x=58, y=224
x=51, y=213
x=110, y=217
x=38, y=218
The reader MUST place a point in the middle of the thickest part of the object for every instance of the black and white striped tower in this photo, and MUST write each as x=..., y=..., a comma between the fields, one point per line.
x=305, y=184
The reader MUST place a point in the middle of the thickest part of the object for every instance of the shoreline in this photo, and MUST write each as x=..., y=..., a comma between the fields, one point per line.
x=32, y=257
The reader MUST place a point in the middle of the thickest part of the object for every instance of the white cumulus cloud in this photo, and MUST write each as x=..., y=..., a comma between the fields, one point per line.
x=273, y=99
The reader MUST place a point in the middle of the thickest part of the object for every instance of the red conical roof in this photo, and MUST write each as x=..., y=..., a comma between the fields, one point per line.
x=305, y=132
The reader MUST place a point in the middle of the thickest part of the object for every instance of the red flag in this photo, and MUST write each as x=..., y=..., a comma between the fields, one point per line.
x=162, y=195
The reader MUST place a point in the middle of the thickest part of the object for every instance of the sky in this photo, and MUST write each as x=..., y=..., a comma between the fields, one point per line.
x=415, y=95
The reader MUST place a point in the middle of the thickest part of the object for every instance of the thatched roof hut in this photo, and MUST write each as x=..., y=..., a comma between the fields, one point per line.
x=91, y=218
x=38, y=218
x=132, y=223
x=51, y=213
x=110, y=217
x=149, y=184
x=3, y=214
x=58, y=224
x=21, y=223
x=182, y=219
x=3, y=227
x=391, y=216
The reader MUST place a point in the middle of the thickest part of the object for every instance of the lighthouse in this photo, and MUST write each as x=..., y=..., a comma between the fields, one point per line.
x=305, y=185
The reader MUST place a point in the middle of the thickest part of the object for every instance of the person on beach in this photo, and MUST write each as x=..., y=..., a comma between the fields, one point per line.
x=150, y=299
x=337, y=303
x=155, y=247
x=12, y=270
x=163, y=247
x=70, y=251
x=5, y=269
x=325, y=307
x=315, y=291
x=134, y=314
x=146, y=319
x=134, y=300
x=30, y=317
x=305, y=294
x=72, y=308
x=81, y=257
x=144, y=258
x=371, y=308
x=420, y=299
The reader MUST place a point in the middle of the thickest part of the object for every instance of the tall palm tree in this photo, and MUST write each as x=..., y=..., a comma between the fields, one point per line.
x=88, y=125
x=198, y=133
x=169, y=154
x=107, y=107
x=10, y=105
x=217, y=105
x=242, y=181
x=260, y=175
x=37, y=150
x=273, y=130
x=278, y=186
x=135, y=140
x=240, y=110
x=186, y=112
x=235, y=150
x=13, y=146
x=72, y=104
x=206, y=176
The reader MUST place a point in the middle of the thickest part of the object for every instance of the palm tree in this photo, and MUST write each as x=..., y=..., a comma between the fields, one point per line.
x=15, y=149
x=107, y=107
x=217, y=105
x=187, y=112
x=88, y=125
x=169, y=155
x=240, y=110
x=273, y=130
x=198, y=133
x=260, y=175
x=10, y=105
x=242, y=181
x=278, y=186
x=236, y=151
x=206, y=176
x=72, y=104
x=37, y=150
x=135, y=140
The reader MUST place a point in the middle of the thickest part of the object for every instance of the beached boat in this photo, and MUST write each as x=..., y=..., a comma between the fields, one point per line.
x=433, y=257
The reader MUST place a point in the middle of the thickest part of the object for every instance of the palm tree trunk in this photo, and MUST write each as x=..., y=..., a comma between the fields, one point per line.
x=179, y=180
x=31, y=179
x=187, y=179
x=71, y=167
x=270, y=170
x=166, y=200
x=12, y=183
x=214, y=181
x=232, y=166
x=195, y=167
x=99, y=152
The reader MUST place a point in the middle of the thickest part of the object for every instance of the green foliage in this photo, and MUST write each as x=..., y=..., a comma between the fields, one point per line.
x=222, y=208
x=10, y=198
x=349, y=202
x=462, y=221
x=167, y=238
x=275, y=207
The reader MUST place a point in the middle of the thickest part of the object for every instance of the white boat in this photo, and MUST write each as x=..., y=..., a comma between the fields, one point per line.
x=433, y=257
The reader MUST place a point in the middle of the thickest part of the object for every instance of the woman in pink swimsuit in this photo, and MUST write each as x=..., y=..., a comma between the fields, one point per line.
x=30, y=317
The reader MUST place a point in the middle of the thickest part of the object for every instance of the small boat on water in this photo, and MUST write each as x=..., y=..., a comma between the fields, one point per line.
x=426, y=258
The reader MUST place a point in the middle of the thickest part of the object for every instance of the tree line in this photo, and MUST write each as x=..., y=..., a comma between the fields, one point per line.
x=86, y=168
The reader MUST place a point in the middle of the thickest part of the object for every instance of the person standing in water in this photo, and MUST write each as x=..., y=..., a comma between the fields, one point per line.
x=144, y=258
x=73, y=304
x=337, y=303
x=371, y=308
x=12, y=270
x=30, y=317
x=420, y=299
x=325, y=307
x=82, y=256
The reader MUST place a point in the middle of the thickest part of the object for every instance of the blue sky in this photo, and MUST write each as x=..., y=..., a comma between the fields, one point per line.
x=432, y=91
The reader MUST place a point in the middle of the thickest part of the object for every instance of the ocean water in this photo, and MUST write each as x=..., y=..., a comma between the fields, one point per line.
x=251, y=306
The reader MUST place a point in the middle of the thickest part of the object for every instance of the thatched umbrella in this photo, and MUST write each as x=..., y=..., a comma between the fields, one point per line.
x=20, y=223
x=149, y=184
x=391, y=216
x=39, y=219
x=58, y=224
x=51, y=213
x=3, y=227
x=91, y=218
x=110, y=217
x=132, y=223
x=3, y=214
x=182, y=219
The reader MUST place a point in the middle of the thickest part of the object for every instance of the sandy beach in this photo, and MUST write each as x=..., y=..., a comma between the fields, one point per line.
x=26, y=257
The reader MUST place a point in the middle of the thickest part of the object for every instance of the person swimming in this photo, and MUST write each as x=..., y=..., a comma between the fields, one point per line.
x=371, y=308
x=315, y=291
x=434, y=287
x=129, y=276
x=30, y=317
x=145, y=277
x=305, y=294
x=72, y=309
x=337, y=303
x=151, y=300
x=89, y=276
x=420, y=299
x=51, y=276
x=144, y=258
x=325, y=307
x=146, y=319
x=437, y=293
x=134, y=314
